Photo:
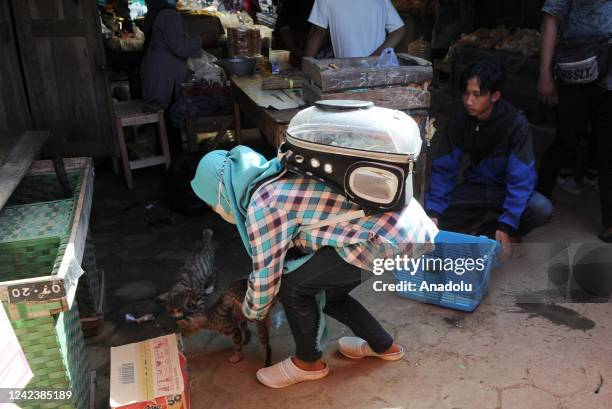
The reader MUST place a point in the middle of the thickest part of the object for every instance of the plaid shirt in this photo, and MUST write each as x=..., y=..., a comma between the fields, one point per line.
x=278, y=211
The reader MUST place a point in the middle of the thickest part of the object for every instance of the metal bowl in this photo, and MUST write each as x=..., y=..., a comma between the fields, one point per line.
x=240, y=66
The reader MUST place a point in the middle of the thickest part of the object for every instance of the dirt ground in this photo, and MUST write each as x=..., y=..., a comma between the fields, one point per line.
x=536, y=341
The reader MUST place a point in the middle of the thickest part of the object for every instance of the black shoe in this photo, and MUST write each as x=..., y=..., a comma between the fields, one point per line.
x=605, y=236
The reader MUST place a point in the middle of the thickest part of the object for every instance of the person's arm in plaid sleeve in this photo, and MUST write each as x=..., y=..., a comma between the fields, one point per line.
x=270, y=233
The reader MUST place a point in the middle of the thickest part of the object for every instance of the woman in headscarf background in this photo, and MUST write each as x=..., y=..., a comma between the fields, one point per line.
x=275, y=211
x=166, y=50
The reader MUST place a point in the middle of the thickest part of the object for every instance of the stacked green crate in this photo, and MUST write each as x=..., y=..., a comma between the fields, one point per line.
x=43, y=187
x=34, y=231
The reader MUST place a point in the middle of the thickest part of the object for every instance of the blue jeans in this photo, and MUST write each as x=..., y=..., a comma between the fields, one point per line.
x=471, y=204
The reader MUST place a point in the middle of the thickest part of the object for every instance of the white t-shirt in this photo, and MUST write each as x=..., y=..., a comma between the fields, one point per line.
x=357, y=27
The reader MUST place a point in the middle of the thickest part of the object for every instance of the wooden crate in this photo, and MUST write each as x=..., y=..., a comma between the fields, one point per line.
x=396, y=97
x=351, y=73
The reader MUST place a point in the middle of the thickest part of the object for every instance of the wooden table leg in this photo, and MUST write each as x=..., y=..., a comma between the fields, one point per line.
x=163, y=136
x=124, y=155
x=237, y=123
x=60, y=171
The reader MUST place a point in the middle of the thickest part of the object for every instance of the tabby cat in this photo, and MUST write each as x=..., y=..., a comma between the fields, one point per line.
x=186, y=302
x=225, y=316
x=196, y=280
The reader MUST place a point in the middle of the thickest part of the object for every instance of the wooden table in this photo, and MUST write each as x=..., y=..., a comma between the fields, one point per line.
x=249, y=98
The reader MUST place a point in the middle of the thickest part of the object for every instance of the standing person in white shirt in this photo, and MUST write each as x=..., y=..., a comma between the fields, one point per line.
x=358, y=28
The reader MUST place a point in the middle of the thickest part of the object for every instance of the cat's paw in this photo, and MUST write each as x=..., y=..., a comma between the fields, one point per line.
x=185, y=327
x=234, y=359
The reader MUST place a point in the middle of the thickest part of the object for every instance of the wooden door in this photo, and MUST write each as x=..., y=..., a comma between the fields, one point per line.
x=14, y=113
x=63, y=57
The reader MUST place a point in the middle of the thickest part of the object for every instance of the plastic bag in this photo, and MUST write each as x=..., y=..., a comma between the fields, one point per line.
x=204, y=69
x=387, y=59
x=132, y=42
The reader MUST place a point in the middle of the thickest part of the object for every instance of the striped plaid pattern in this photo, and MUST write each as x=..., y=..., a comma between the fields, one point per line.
x=278, y=211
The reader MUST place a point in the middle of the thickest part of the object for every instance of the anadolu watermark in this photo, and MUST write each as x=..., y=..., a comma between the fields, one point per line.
x=411, y=275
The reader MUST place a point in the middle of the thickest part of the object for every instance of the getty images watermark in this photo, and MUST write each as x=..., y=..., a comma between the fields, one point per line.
x=404, y=266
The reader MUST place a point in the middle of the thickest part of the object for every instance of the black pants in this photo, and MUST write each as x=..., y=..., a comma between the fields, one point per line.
x=326, y=271
x=577, y=105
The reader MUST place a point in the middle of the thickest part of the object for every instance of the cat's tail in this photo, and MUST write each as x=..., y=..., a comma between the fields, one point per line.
x=246, y=333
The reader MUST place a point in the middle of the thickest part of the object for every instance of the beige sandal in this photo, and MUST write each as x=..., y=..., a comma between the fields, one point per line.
x=285, y=374
x=357, y=348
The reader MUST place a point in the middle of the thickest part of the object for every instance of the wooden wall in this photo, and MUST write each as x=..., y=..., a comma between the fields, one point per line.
x=60, y=45
x=14, y=113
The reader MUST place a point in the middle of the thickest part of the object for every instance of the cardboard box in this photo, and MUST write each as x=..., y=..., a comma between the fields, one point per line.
x=149, y=375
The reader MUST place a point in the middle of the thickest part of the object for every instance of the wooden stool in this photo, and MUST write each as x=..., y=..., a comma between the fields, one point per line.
x=132, y=113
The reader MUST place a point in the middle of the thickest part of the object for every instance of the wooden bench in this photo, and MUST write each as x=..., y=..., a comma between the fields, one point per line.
x=16, y=160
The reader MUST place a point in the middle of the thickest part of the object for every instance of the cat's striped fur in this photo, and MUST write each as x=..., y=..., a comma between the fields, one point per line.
x=186, y=302
x=225, y=316
x=196, y=280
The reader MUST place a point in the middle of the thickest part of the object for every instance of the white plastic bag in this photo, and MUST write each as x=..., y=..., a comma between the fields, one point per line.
x=387, y=59
x=204, y=69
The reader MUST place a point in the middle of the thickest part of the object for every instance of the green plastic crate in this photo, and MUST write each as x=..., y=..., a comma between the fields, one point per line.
x=53, y=345
x=36, y=220
x=55, y=350
x=36, y=228
x=30, y=258
x=44, y=187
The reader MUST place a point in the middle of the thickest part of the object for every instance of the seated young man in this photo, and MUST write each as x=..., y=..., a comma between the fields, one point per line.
x=501, y=175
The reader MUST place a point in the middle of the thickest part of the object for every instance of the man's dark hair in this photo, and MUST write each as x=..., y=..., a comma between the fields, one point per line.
x=489, y=73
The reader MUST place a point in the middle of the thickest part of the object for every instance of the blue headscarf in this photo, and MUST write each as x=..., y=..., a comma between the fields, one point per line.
x=242, y=169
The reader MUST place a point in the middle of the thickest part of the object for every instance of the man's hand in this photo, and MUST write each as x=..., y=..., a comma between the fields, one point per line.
x=547, y=89
x=504, y=239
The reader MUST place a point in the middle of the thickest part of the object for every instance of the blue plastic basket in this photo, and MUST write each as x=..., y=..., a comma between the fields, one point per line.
x=450, y=248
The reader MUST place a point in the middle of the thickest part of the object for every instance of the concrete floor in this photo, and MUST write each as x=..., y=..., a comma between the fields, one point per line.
x=517, y=350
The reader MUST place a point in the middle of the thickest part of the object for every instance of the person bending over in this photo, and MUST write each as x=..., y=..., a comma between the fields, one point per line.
x=272, y=211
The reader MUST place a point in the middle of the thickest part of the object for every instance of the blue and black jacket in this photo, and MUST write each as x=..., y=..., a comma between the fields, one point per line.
x=501, y=154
